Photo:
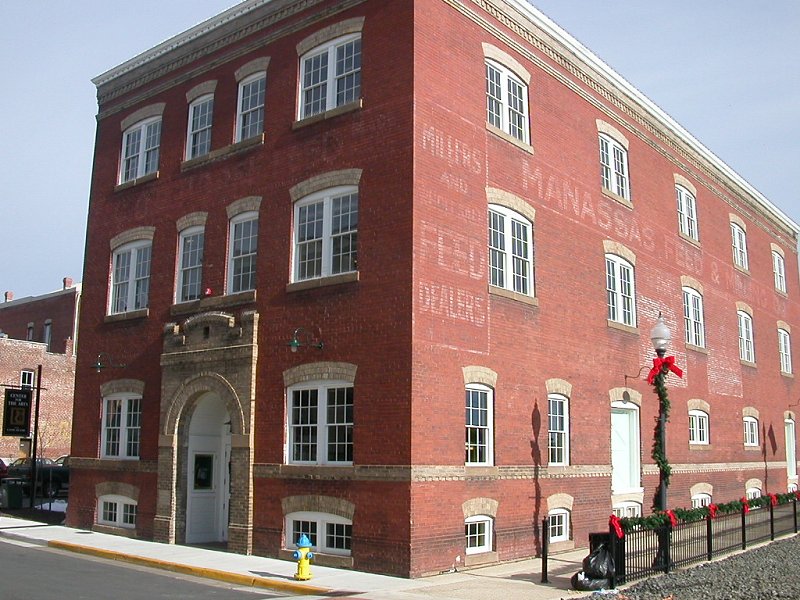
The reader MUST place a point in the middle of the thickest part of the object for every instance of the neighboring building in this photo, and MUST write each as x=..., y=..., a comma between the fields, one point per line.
x=385, y=273
x=41, y=330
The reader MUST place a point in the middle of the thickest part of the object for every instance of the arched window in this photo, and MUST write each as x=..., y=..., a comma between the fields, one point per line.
x=698, y=427
x=510, y=250
x=785, y=350
x=130, y=277
x=739, y=244
x=750, y=431
x=479, y=443
x=320, y=427
x=614, y=167
x=620, y=290
x=558, y=429
x=117, y=511
x=687, y=212
x=330, y=75
x=559, y=529
x=329, y=534
x=478, y=534
x=693, y=317
x=702, y=499
x=746, y=349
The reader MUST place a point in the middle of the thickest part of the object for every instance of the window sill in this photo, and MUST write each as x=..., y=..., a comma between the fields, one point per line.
x=747, y=363
x=788, y=375
x=694, y=348
x=310, y=284
x=221, y=153
x=128, y=532
x=617, y=198
x=329, y=114
x=561, y=546
x=524, y=146
x=622, y=327
x=504, y=293
x=781, y=293
x=138, y=181
x=752, y=448
x=212, y=302
x=481, y=472
x=700, y=447
x=127, y=316
x=689, y=239
x=741, y=269
x=480, y=558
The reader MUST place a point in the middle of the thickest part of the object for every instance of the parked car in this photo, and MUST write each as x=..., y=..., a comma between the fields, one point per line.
x=51, y=477
x=4, y=462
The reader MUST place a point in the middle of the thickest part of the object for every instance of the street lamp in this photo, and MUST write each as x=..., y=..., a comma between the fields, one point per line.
x=660, y=336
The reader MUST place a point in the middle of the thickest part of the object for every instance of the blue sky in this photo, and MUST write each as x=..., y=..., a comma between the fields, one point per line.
x=724, y=69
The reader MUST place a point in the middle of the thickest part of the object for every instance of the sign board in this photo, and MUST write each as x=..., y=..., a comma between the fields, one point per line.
x=17, y=413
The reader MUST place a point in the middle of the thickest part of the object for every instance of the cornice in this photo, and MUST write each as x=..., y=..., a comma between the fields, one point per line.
x=612, y=93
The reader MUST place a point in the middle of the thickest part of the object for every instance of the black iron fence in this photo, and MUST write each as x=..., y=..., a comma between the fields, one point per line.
x=642, y=552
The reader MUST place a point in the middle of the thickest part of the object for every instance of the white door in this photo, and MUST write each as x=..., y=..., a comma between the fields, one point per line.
x=207, y=487
x=624, y=450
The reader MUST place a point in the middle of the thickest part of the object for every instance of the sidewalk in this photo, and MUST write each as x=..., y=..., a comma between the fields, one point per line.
x=501, y=581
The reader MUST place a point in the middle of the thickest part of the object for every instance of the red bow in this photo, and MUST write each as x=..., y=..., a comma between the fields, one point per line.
x=797, y=494
x=613, y=521
x=773, y=499
x=662, y=365
x=672, y=518
x=712, y=510
x=745, y=505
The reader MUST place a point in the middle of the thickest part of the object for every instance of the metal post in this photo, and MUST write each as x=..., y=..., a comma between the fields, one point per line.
x=709, y=538
x=744, y=531
x=771, y=522
x=545, y=547
x=794, y=512
x=35, y=434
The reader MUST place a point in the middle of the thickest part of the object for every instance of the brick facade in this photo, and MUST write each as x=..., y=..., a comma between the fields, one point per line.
x=416, y=321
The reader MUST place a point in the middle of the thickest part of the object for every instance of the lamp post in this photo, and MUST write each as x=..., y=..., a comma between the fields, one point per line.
x=660, y=336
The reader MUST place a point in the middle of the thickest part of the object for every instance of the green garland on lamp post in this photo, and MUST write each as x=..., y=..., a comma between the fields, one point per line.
x=659, y=453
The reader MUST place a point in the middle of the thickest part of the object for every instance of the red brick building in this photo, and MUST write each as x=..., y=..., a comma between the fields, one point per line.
x=41, y=330
x=385, y=273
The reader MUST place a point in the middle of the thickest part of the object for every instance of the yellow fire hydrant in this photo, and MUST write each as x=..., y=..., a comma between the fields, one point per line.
x=303, y=556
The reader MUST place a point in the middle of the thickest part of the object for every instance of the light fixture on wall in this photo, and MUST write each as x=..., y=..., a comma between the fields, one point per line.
x=303, y=337
x=104, y=361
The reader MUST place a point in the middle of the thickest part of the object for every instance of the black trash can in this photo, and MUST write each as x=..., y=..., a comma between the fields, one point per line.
x=14, y=489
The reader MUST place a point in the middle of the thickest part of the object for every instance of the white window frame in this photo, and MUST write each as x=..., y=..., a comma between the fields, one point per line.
x=27, y=379
x=629, y=508
x=620, y=290
x=190, y=264
x=614, y=173
x=510, y=251
x=687, y=213
x=785, y=350
x=242, y=258
x=746, y=346
x=790, y=436
x=480, y=529
x=558, y=430
x=346, y=73
x=752, y=493
x=750, y=431
x=479, y=425
x=325, y=524
x=132, y=292
x=507, y=101
x=140, y=149
x=125, y=432
x=316, y=239
x=250, y=118
x=199, y=128
x=558, y=525
x=779, y=270
x=700, y=500
x=699, y=431
x=308, y=428
x=693, y=317
x=739, y=246
x=124, y=510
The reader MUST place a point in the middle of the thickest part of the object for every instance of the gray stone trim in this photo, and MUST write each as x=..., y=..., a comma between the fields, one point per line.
x=749, y=411
x=785, y=326
x=508, y=61
x=120, y=386
x=194, y=219
x=480, y=506
x=560, y=500
x=558, y=386
x=326, y=34
x=208, y=318
x=698, y=404
x=744, y=307
x=477, y=374
x=612, y=247
x=252, y=67
x=243, y=205
x=611, y=131
x=683, y=182
x=201, y=89
x=316, y=371
x=754, y=483
x=132, y=235
x=116, y=488
x=512, y=201
x=788, y=414
x=777, y=249
x=200, y=383
x=691, y=282
x=325, y=181
x=738, y=220
x=618, y=395
x=320, y=504
x=702, y=488
x=151, y=110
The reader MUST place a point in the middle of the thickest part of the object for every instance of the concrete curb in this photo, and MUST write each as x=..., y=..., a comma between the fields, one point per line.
x=248, y=580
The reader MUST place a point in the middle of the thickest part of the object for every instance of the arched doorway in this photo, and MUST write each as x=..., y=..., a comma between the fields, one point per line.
x=208, y=472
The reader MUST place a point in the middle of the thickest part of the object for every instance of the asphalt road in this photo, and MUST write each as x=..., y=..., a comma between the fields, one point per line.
x=32, y=572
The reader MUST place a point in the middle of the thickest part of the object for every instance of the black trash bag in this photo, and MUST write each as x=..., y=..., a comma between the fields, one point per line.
x=583, y=583
x=599, y=564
